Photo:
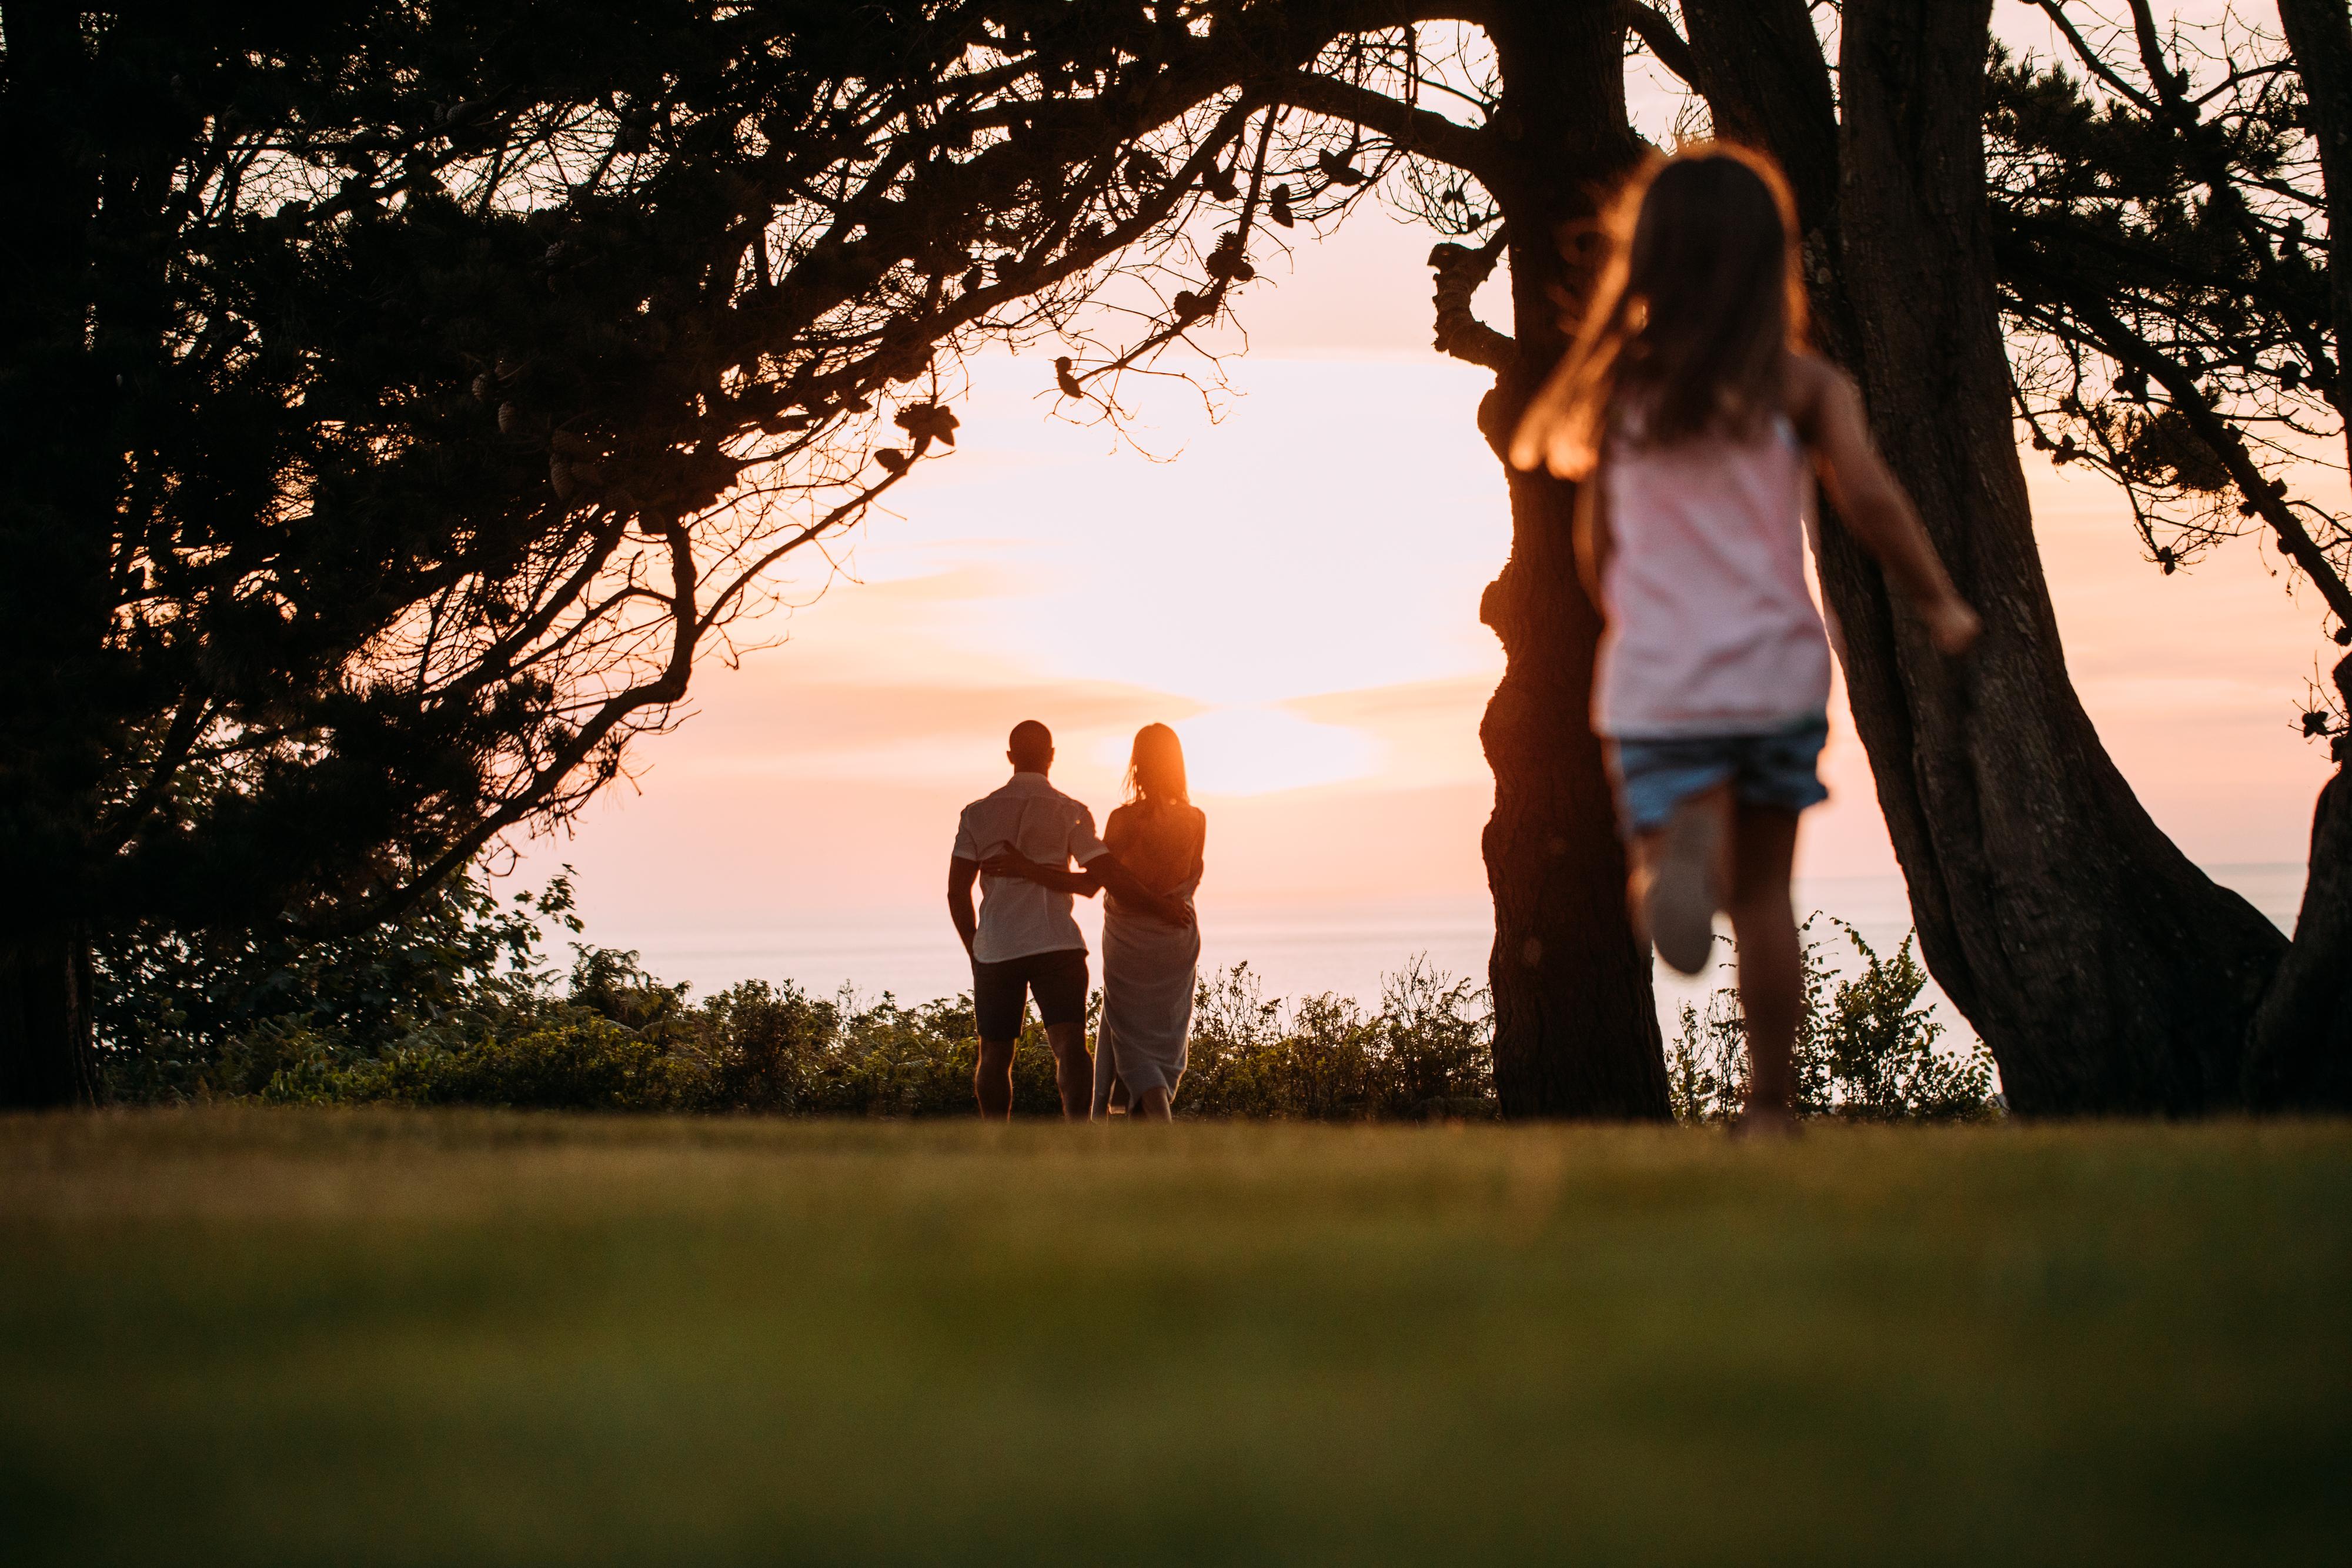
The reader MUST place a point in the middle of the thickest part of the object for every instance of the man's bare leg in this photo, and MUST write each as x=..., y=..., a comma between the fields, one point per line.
x=1074, y=1069
x=991, y=1081
x=1772, y=975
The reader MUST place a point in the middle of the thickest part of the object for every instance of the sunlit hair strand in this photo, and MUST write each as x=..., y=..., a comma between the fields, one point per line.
x=1691, y=317
x=1155, y=768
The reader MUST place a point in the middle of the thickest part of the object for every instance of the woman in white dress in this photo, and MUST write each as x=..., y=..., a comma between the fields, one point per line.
x=1149, y=965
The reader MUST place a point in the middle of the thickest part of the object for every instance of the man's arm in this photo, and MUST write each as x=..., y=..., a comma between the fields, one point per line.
x=962, y=873
x=1012, y=863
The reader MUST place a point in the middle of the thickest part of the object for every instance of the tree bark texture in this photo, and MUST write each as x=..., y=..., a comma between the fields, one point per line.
x=2299, y=1047
x=2104, y=970
x=1576, y=1031
x=46, y=1056
x=57, y=411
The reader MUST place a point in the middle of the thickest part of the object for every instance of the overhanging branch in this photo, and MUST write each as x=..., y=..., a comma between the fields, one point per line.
x=2268, y=500
x=1418, y=132
x=1658, y=36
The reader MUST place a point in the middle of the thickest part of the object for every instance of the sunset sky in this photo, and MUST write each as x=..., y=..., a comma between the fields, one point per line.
x=1295, y=587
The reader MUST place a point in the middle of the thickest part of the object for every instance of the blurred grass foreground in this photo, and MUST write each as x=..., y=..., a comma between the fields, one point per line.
x=238, y=1335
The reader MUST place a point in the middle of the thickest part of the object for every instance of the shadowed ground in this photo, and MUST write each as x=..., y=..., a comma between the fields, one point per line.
x=247, y=1337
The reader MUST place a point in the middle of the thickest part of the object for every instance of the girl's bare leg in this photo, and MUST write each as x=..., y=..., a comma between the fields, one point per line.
x=1772, y=979
x=1680, y=877
x=1151, y=1105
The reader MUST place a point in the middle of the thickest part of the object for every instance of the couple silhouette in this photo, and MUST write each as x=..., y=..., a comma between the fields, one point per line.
x=1020, y=844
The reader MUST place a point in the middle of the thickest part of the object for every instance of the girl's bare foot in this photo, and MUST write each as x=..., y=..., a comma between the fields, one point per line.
x=1680, y=893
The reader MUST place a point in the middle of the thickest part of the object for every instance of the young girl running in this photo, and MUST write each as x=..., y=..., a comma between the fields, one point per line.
x=1691, y=406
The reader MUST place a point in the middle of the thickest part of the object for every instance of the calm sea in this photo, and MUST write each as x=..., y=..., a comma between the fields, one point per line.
x=1294, y=949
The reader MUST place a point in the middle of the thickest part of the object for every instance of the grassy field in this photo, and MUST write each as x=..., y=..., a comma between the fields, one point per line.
x=260, y=1338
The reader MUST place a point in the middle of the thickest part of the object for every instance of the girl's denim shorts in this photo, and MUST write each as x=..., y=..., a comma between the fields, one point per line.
x=1776, y=768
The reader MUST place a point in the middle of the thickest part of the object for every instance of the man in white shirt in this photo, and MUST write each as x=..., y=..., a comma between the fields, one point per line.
x=1025, y=940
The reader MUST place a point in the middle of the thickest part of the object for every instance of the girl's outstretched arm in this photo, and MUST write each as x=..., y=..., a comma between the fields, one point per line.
x=1827, y=411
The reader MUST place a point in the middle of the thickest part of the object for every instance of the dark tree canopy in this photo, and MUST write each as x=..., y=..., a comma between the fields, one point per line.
x=402, y=398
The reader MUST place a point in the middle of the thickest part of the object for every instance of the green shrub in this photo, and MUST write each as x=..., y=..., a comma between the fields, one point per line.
x=1883, y=1057
x=613, y=984
x=621, y=1041
x=1865, y=1049
x=453, y=1004
x=767, y=1048
x=893, y=1060
x=182, y=1015
x=1427, y=1052
x=1438, y=1037
x=584, y=1063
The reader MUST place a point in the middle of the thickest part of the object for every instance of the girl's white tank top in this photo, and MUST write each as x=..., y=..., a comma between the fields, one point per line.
x=1711, y=627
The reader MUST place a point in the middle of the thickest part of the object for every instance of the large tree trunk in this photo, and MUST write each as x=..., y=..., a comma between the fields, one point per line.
x=58, y=472
x=2299, y=1047
x=1576, y=1030
x=2319, y=34
x=46, y=1058
x=2107, y=972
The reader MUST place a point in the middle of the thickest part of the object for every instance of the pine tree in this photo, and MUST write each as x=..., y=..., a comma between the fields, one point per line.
x=400, y=398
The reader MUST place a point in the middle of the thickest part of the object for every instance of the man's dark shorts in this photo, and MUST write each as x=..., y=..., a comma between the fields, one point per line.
x=1058, y=979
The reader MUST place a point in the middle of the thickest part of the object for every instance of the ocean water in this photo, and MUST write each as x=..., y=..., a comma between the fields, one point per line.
x=1297, y=949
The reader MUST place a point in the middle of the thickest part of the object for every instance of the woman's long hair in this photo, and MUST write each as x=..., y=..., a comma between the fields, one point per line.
x=1155, y=768
x=1693, y=316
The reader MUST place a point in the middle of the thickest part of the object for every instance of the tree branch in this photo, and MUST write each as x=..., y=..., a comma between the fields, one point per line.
x=2220, y=175
x=2090, y=58
x=1460, y=270
x=1205, y=305
x=1416, y=130
x=2269, y=501
x=1657, y=34
x=171, y=756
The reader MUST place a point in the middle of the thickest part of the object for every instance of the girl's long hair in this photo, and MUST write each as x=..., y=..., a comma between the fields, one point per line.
x=1155, y=768
x=1693, y=317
